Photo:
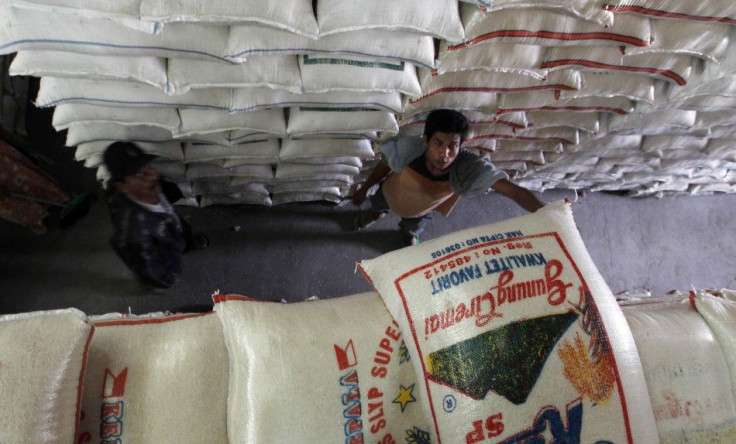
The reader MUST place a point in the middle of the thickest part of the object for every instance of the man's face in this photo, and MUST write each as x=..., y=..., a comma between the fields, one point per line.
x=144, y=185
x=442, y=150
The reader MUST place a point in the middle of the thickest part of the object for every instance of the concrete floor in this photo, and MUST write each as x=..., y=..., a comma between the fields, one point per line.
x=295, y=251
x=301, y=250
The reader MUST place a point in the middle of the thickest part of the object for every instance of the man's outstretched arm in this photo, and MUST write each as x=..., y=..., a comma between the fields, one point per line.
x=525, y=198
x=379, y=172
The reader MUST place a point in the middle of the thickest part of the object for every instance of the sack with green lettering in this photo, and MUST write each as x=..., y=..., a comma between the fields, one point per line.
x=42, y=356
x=156, y=378
x=685, y=369
x=515, y=336
x=329, y=371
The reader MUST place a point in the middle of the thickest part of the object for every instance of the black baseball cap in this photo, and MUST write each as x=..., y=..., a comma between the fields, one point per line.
x=125, y=159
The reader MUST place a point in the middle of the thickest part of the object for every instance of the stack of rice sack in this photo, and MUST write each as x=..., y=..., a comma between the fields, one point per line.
x=499, y=333
x=549, y=86
x=232, y=84
x=688, y=365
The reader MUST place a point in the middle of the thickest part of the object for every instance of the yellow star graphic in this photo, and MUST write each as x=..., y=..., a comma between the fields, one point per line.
x=405, y=396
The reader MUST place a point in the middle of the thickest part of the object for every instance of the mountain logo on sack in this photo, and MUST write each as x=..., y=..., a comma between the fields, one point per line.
x=111, y=412
x=346, y=356
x=507, y=360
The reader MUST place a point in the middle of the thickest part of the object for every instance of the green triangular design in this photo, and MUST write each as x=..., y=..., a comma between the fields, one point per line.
x=507, y=360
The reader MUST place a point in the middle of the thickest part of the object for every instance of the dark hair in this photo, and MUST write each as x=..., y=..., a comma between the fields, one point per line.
x=446, y=121
x=124, y=159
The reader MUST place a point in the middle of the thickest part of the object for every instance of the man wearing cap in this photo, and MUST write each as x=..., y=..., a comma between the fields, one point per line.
x=149, y=236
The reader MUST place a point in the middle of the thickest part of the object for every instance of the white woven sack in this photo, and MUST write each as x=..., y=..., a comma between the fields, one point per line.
x=294, y=16
x=684, y=153
x=272, y=71
x=686, y=372
x=481, y=145
x=304, y=121
x=156, y=378
x=43, y=356
x=514, y=333
x=661, y=143
x=464, y=101
x=495, y=57
x=79, y=133
x=329, y=194
x=251, y=40
x=24, y=29
x=499, y=82
x=254, y=173
x=721, y=87
x=253, y=99
x=414, y=126
x=488, y=132
x=237, y=198
x=612, y=144
x=535, y=156
x=673, y=68
x=612, y=84
x=726, y=67
x=122, y=12
x=255, y=153
x=720, y=314
x=296, y=185
x=711, y=188
x=438, y=18
x=526, y=145
x=266, y=123
x=94, y=161
x=325, y=150
x=514, y=120
x=708, y=41
x=292, y=171
x=587, y=122
x=576, y=162
x=561, y=134
x=307, y=186
x=547, y=101
x=57, y=90
x=708, y=102
x=720, y=10
x=592, y=10
x=722, y=148
x=226, y=138
x=67, y=113
x=550, y=28
x=657, y=122
x=169, y=150
x=513, y=168
x=355, y=366
x=608, y=163
x=206, y=187
x=330, y=73
x=148, y=70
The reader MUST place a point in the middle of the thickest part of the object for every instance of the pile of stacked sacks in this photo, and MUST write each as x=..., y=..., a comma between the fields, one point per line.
x=625, y=95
